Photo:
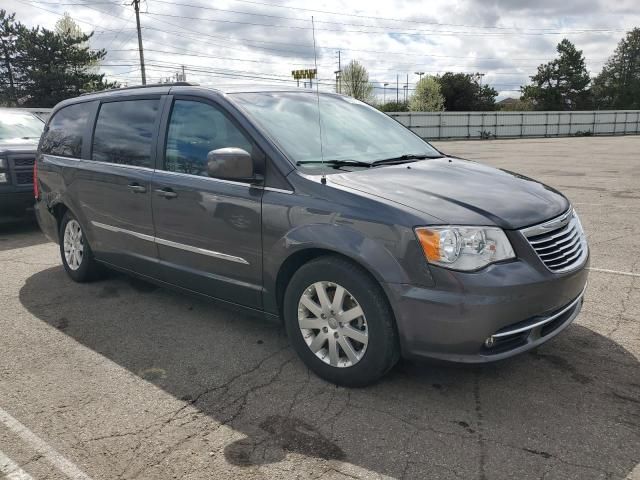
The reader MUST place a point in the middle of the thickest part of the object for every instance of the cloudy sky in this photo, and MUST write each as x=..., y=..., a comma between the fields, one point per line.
x=233, y=42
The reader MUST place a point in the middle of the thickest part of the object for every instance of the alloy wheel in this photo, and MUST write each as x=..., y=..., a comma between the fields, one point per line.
x=333, y=324
x=73, y=244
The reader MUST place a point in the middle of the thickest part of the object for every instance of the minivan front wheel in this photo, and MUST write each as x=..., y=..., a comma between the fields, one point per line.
x=75, y=251
x=339, y=322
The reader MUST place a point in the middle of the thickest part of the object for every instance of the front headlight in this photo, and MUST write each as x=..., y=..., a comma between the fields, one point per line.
x=464, y=248
x=3, y=163
x=3, y=177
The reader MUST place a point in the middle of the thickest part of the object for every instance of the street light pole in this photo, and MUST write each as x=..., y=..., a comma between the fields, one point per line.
x=419, y=75
x=384, y=93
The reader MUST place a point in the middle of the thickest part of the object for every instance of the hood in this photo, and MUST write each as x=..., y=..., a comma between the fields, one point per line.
x=18, y=145
x=460, y=192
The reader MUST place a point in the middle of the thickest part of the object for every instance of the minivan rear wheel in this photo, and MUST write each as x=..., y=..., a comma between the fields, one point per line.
x=75, y=251
x=339, y=322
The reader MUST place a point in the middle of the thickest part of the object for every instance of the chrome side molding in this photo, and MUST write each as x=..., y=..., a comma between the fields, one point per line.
x=169, y=243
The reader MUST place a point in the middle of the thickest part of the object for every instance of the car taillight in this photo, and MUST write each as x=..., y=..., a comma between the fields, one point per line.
x=36, y=191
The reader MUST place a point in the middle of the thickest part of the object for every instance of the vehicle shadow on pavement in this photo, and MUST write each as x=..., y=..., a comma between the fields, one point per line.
x=568, y=410
x=20, y=234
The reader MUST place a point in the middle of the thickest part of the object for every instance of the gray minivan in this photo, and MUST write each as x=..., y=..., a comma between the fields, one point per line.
x=366, y=241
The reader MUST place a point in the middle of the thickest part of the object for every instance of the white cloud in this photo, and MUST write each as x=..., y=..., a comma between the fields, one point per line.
x=504, y=39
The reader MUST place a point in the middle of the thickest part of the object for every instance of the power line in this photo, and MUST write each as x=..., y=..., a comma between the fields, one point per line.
x=185, y=52
x=377, y=32
x=343, y=14
x=243, y=74
x=194, y=37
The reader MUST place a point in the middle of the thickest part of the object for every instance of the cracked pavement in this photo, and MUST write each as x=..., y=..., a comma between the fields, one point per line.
x=128, y=380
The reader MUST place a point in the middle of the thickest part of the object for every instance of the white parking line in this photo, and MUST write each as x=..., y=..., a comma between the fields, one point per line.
x=11, y=470
x=614, y=272
x=42, y=448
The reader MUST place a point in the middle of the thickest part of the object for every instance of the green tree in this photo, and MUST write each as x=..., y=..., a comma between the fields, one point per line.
x=561, y=84
x=618, y=85
x=45, y=66
x=67, y=27
x=427, y=96
x=393, y=107
x=518, y=105
x=355, y=82
x=463, y=92
x=9, y=78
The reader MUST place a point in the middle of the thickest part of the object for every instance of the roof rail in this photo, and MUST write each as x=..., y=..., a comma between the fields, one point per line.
x=150, y=85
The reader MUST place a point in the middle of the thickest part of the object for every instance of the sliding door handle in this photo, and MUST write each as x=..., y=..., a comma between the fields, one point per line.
x=137, y=188
x=166, y=193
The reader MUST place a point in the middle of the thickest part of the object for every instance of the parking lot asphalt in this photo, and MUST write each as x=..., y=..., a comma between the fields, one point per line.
x=122, y=379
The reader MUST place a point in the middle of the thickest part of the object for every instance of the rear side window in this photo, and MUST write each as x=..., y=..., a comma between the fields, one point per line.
x=65, y=132
x=124, y=132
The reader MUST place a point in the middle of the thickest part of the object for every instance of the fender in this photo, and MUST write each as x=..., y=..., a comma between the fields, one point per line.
x=370, y=253
x=56, y=175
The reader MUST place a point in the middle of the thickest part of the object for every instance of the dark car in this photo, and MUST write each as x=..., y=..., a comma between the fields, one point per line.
x=368, y=245
x=19, y=134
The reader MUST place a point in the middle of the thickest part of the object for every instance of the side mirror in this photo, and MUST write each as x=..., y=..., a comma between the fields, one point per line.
x=231, y=164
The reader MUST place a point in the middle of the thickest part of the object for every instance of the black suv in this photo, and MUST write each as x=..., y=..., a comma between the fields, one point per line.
x=365, y=240
x=19, y=134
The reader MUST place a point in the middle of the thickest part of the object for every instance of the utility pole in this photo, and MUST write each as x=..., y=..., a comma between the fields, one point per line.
x=406, y=93
x=339, y=75
x=184, y=75
x=397, y=88
x=136, y=6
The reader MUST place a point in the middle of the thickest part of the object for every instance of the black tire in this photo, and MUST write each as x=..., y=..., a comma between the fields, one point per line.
x=88, y=269
x=382, y=351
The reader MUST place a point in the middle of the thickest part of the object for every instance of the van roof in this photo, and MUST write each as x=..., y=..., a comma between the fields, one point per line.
x=232, y=89
x=183, y=87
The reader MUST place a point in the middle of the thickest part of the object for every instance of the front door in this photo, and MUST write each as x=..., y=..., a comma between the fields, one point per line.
x=208, y=230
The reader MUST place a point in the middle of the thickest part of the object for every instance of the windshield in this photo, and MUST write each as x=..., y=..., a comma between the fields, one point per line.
x=15, y=126
x=351, y=130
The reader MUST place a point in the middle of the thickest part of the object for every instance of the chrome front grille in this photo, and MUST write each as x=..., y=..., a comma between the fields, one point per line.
x=560, y=243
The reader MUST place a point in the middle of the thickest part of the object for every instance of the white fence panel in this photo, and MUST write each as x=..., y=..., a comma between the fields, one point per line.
x=441, y=125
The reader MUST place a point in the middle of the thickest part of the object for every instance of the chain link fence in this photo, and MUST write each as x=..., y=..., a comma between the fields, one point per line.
x=489, y=125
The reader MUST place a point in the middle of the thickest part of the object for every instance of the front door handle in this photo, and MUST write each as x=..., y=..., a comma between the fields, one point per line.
x=166, y=192
x=137, y=188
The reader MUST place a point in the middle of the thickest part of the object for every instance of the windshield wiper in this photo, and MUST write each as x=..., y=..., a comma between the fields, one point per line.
x=336, y=163
x=403, y=159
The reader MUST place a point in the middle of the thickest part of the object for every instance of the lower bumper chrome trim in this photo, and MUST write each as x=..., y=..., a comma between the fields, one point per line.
x=543, y=321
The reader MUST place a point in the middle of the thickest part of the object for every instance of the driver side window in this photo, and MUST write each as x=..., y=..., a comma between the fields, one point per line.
x=196, y=128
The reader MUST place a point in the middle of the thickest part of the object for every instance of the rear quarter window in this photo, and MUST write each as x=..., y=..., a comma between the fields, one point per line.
x=124, y=132
x=64, y=135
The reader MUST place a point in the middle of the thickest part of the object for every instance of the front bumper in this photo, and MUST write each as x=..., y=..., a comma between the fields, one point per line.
x=15, y=202
x=517, y=305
